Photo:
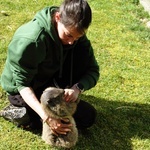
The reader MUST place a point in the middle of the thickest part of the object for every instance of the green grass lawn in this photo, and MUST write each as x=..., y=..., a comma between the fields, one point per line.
x=122, y=96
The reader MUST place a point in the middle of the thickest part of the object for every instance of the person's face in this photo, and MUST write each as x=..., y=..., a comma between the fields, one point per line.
x=67, y=35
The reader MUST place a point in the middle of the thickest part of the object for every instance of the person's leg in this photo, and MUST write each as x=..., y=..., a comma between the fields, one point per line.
x=16, y=112
x=85, y=115
x=17, y=115
x=20, y=113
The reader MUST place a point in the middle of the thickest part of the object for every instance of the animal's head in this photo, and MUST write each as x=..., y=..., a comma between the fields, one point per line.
x=53, y=102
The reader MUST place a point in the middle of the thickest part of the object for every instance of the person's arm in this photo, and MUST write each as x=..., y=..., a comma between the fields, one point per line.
x=87, y=64
x=30, y=98
x=55, y=124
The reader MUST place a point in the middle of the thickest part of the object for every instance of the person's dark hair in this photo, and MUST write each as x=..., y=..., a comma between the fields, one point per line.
x=76, y=13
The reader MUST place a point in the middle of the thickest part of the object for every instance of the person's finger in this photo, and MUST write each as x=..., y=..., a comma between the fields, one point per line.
x=66, y=120
x=61, y=130
x=54, y=132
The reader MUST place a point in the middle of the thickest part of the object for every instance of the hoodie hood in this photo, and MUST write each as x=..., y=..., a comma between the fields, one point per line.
x=44, y=19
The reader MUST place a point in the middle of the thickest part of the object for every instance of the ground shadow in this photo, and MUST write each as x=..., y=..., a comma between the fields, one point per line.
x=116, y=124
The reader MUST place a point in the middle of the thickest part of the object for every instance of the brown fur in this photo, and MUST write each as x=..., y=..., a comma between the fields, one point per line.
x=56, y=107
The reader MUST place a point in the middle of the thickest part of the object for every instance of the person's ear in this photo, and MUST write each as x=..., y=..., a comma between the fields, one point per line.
x=57, y=16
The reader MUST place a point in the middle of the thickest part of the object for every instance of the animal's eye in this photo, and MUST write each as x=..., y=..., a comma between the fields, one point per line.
x=52, y=102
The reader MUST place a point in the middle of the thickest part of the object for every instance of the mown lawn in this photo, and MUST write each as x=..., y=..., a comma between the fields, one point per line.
x=122, y=96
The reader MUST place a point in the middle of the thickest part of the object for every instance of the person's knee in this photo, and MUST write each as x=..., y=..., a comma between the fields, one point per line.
x=85, y=115
x=89, y=119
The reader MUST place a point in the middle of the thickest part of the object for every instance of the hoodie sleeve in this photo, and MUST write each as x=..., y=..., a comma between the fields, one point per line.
x=24, y=56
x=87, y=62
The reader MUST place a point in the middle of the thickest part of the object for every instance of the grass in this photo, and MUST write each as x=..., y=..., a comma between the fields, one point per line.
x=122, y=96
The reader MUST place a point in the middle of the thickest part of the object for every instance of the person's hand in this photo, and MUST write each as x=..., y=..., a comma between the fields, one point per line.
x=71, y=94
x=57, y=126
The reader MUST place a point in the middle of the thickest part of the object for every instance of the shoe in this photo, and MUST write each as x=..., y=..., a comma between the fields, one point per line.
x=18, y=115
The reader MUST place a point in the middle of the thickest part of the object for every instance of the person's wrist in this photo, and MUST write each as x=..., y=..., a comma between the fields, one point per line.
x=80, y=87
x=45, y=119
x=76, y=89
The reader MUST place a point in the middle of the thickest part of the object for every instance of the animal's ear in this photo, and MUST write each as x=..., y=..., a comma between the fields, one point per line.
x=46, y=92
x=44, y=95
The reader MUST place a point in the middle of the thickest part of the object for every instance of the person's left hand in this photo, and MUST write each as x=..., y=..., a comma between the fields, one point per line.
x=71, y=94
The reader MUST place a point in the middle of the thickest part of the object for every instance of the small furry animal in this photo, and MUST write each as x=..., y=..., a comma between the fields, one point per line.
x=56, y=107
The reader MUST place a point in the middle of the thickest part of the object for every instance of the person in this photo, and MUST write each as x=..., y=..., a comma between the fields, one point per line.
x=51, y=50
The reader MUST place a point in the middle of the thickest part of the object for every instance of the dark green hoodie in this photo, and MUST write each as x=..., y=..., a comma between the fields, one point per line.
x=36, y=54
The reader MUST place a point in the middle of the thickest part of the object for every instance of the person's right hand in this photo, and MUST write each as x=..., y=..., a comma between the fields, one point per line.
x=57, y=126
